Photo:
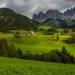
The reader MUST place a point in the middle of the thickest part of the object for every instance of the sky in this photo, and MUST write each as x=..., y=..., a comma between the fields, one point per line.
x=30, y=7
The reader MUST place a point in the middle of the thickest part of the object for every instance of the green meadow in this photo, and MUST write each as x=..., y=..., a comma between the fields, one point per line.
x=13, y=66
x=26, y=45
x=40, y=43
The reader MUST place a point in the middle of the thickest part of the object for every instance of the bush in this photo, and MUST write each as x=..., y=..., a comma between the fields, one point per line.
x=54, y=56
x=66, y=30
x=50, y=31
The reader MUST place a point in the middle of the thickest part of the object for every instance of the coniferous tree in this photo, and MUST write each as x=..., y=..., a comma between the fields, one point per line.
x=20, y=53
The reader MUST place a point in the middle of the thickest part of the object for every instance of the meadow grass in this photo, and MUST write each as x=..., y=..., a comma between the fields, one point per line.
x=43, y=43
x=13, y=66
x=40, y=43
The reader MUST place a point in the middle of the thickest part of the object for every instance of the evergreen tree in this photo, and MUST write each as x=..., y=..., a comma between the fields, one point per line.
x=57, y=37
x=20, y=54
x=64, y=50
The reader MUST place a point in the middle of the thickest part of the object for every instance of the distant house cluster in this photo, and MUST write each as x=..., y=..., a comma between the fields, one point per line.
x=24, y=33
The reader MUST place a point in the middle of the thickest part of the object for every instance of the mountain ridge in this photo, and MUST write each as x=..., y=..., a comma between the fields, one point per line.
x=55, y=14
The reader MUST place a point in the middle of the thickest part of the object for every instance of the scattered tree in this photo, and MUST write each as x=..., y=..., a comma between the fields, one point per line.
x=18, y=34
x=57, y=37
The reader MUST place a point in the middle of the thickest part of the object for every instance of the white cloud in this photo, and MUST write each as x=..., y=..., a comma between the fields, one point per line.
x=28, y=7
x=3, y=3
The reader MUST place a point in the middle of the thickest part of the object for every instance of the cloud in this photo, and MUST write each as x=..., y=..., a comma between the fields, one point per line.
x=73, y=1
x=3, y=3
x=29, y=7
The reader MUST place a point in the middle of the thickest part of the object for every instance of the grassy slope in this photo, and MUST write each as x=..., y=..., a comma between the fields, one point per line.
x=12, y=66
x=40, y=43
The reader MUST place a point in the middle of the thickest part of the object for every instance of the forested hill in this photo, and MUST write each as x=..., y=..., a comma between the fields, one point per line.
x=9, y=19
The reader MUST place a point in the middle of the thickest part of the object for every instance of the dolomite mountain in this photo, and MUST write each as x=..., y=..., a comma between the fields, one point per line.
x=54, y=14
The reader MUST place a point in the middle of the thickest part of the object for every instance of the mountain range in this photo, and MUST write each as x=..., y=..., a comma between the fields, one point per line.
x=55, y=14
x=10, y=20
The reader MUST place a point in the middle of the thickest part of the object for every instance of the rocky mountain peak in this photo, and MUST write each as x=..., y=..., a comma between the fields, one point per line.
x=55, y=14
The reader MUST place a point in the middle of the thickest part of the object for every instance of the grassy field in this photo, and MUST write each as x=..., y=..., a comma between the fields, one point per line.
x=12, y=66
x=40, y=43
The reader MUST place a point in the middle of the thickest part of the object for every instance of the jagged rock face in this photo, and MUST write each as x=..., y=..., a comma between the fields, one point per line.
x=55, y=14
x=70, y=13
x=49, y=14
x=39, y=17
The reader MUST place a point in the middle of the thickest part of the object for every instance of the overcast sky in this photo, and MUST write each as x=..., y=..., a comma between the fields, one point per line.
x=29, y=7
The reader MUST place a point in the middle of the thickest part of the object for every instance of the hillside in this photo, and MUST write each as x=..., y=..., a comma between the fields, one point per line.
x=9, y=19
x=12, y=66
x=68, y=23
